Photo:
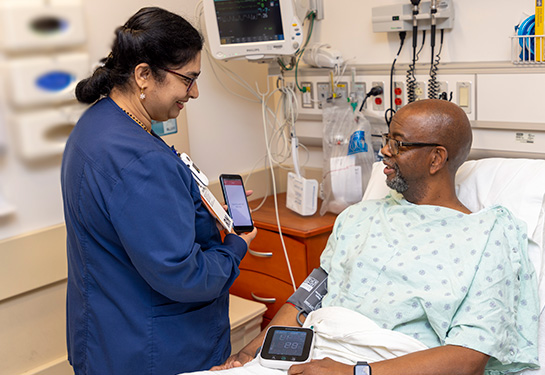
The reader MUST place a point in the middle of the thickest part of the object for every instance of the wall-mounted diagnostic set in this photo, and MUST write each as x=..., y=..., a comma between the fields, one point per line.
x=415, y=16
x=400, y=17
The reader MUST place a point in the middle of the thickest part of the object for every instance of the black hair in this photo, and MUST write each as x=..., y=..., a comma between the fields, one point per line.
x=152, y=35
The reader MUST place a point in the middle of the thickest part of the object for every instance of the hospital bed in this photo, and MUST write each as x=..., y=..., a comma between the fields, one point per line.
x=518, y=184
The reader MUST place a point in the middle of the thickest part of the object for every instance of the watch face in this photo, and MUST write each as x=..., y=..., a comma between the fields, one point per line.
x=362, y=369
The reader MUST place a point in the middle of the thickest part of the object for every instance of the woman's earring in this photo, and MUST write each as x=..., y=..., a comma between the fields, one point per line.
x=142, y=95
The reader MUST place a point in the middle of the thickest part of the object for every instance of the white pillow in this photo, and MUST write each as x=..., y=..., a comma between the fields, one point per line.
x=517, y=184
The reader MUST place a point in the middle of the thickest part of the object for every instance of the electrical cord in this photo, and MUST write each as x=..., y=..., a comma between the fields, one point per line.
x=390, y=111
x=270, y=118
x=264, y=114
x=293, y=59
x=376, y=90
x=218, y=67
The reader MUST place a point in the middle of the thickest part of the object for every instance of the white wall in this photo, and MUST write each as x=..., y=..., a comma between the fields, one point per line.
x=481, y=31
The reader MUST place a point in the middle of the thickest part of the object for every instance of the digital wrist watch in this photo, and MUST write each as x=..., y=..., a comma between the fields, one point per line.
x=362, y=368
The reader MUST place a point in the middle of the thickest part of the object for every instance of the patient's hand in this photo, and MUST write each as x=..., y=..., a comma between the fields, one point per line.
x=236, y=360
x=325, y=366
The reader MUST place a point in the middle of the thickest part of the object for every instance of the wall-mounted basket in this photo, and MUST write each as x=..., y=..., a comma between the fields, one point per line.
x=528, y=49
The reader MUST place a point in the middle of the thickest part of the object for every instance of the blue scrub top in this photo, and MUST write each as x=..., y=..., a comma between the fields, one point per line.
x=148, y=274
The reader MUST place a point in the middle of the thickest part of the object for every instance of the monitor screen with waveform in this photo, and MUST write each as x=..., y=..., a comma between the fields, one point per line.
x=247, y=21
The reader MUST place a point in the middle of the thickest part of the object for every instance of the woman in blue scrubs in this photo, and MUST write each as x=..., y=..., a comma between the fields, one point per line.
x=148, y=272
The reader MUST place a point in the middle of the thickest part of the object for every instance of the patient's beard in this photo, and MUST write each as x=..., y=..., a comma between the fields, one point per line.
x=398, y=183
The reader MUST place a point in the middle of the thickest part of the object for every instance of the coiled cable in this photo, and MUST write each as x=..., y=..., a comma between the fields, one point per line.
x=433, y=85
x=411, y=79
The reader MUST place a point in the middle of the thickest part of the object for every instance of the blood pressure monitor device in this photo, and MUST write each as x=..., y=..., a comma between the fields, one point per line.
x=286, y=346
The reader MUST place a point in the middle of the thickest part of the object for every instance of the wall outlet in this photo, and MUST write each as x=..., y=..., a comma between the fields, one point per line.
x=378, y=101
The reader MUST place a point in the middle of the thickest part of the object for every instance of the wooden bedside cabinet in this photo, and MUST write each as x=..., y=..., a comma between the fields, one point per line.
x=264, y=274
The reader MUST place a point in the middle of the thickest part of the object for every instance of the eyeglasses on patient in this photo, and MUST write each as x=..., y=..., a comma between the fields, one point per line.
x=189, y=81
x=394, y=144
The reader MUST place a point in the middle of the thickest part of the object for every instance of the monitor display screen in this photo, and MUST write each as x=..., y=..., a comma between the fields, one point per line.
x=249, y=21
x=257, y=30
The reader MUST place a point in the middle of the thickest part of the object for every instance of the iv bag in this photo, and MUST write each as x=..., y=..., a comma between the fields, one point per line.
x=348, y=156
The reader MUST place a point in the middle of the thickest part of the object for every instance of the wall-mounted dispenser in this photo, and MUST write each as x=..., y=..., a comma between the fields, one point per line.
x=43, y=133
x=46, y=79
x=40, y=24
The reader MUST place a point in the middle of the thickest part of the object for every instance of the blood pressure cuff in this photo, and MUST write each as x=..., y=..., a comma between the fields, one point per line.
x=308, y=297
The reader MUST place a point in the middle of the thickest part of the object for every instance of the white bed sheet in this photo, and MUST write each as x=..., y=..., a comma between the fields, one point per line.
x=345, y=336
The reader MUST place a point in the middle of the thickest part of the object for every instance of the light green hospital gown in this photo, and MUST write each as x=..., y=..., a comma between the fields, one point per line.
x=438, y=275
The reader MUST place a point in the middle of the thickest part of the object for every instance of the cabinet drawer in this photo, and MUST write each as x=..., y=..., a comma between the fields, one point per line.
x=267, y=256
x=263, y=288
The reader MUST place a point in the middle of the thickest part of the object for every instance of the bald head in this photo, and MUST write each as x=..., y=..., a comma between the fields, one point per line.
x=442, y=122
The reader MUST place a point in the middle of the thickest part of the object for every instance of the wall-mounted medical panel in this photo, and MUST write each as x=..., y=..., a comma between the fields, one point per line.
x=42, y=134
x=40, y=24
x=458, y=88
x=319, y=89
x=48, y=79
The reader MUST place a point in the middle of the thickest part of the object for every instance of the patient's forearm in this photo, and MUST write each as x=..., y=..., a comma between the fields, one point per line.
x=447, y=359
x=286, y=316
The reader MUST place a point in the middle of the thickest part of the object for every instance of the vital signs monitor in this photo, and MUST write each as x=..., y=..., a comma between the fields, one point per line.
x=253, y=29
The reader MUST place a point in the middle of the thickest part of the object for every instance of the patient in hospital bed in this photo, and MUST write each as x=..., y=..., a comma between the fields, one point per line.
x=419, y=284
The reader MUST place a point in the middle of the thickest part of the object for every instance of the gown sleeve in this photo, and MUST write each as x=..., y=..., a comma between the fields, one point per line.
x=499, y=314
